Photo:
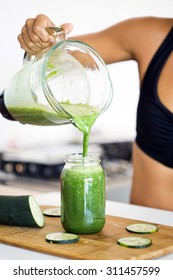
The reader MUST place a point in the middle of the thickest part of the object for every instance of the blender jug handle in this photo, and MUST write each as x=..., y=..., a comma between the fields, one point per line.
x=57, y=32
x=3, y=110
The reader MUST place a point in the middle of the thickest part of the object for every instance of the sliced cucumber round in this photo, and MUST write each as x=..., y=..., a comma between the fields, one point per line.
x=142, y=228
x=62, y=238
x=52, y=212
x=134, y=242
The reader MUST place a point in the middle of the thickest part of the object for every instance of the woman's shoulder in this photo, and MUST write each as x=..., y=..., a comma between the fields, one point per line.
x=145, y=32
x=148, y=33
x=151, y=21
x=149, y=26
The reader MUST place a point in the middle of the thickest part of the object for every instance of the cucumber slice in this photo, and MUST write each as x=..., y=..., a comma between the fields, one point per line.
x=62, y=238
x=134, y=242
x=52, y=212
x=142, y=228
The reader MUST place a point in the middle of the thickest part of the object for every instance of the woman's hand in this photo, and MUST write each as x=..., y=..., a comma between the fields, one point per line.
x=34, y=38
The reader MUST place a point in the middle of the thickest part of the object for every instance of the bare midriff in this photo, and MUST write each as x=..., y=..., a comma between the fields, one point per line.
x=152, y=184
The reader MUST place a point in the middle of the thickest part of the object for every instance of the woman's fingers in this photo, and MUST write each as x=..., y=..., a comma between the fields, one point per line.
x=34, y=38
x=67, y=27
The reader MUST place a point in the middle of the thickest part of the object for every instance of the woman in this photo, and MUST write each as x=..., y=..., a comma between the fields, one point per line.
x=148, y=41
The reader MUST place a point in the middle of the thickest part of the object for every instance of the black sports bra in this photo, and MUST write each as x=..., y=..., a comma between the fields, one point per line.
x=154, y=120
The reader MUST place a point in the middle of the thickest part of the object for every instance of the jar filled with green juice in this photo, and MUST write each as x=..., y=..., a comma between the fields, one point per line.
x=83, y=194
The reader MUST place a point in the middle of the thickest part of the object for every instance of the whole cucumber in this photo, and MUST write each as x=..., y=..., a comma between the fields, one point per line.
x=20, y=211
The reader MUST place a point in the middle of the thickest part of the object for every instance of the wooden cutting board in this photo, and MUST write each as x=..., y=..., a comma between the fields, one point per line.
x=100, y=246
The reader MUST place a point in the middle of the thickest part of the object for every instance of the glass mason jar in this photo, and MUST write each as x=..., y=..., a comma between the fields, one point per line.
x=83, y=194
x=50, y=89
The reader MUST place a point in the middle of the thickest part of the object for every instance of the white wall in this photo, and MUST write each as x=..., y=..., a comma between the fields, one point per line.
x=118, y=122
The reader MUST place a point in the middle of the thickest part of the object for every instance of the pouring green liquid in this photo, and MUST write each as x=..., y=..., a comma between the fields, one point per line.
x=83, y=182
x=83, y=117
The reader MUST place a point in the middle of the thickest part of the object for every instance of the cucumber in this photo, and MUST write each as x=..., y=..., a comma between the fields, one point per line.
x=52, y=212
x=134, y=242
x=142, y=228
x=20, y=211
x=61, y=237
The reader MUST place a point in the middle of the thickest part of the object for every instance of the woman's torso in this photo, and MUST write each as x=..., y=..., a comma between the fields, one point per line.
x=153, y=180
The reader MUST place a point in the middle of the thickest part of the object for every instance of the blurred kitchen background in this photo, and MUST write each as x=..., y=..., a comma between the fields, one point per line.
x=31, y=158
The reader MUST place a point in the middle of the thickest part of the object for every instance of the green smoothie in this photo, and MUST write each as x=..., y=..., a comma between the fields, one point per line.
x=41, y=115
x=83, y=199
x=83, y=181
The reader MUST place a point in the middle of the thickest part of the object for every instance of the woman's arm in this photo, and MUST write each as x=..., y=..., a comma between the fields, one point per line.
x=112, y=43
x=131, y=39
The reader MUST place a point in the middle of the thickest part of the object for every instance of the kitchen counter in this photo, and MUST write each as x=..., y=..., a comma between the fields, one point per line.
x=112, y=208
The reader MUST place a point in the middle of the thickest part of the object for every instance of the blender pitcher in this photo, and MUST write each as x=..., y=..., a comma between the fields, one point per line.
x=51, y=88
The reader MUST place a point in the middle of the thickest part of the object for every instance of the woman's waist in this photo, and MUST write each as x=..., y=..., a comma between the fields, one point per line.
x=148, y=167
